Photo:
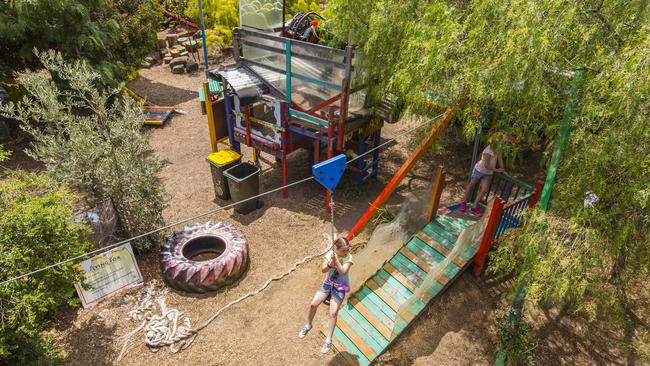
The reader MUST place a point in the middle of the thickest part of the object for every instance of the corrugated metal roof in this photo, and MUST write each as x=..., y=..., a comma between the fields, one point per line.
x=241, y=78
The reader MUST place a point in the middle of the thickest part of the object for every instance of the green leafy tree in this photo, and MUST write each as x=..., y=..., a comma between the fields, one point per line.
x=113, y=36
x=35, y=230
x=221, y=16
x=93, y=142
x=518, y=57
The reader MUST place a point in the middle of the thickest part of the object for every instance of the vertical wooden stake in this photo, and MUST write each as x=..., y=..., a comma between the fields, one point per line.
x=248, y=125
x=211, y=126
x=438, y=186
x=316, y=150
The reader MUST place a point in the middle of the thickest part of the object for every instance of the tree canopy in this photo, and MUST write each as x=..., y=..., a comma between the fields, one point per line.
x=517, y=57
x=113, y=36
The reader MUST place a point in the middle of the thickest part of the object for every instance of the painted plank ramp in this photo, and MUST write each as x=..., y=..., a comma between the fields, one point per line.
x=388, y=301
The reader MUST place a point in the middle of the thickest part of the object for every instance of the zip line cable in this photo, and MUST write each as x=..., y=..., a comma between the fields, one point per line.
x=211, y=212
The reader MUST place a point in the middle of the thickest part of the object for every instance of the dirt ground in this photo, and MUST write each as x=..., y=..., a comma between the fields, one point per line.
x=457, y=328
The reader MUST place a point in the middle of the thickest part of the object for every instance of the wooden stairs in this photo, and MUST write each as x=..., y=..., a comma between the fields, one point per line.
x=375, y=315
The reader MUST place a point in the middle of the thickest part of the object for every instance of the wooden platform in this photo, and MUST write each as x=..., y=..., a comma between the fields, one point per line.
x=388, y=301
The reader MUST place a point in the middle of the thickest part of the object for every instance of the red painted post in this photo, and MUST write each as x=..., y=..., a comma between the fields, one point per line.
x=538, y=192
x=488, y=235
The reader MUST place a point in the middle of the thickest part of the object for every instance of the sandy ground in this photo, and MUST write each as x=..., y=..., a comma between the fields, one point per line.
x=457, y=328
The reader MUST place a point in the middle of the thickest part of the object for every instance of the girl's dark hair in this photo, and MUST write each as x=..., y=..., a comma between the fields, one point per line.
x=341, y=243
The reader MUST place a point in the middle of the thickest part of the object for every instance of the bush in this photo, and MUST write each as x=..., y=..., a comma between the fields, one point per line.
x=93, y=141
x=35, y=231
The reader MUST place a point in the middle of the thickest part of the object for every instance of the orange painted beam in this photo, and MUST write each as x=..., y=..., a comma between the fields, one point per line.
x=447, y=117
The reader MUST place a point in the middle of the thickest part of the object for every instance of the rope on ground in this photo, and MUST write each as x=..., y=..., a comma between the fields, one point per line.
x=163, y=330
x=160, y=330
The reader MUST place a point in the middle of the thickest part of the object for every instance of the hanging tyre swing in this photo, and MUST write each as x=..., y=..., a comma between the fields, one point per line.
x=204, y=257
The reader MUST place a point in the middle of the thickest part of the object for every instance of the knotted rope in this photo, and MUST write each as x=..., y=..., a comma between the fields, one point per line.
x=164, y=329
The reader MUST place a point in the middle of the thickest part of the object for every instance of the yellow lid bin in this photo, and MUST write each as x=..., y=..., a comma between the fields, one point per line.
x=221, y=161
x=224, y=157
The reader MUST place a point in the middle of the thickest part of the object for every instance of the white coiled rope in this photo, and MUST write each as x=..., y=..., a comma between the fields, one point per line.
x=164, y=329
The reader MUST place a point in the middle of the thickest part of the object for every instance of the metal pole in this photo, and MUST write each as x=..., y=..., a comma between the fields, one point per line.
x=205, y=46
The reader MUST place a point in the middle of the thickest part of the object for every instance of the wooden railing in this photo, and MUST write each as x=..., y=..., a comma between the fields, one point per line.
x=511, y=198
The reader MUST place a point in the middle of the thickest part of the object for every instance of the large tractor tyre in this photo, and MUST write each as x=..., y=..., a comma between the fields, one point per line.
x=204, y=257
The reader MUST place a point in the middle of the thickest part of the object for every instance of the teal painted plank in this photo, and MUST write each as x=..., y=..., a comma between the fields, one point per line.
x=361, y=332
x=451, y=227
x=381, y=292
x=394, y=283
x=356, y=339
x=391, y=281
x=405, y=271
x=457, y=222
x=424, y=251
x=349, y=347
x=373, y=319
x=308, y=117
x=377, y=305
x=413, y=272
x=399, y=276
x=388, y=288
x=451, y=271
x=367, y=326
x=437, y=233
x=452, y=224
x=316, y=81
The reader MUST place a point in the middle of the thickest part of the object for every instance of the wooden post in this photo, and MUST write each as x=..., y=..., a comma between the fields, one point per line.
x=316, y=150
x=211, y=125
x=488, y=235
x=248, y=125
x=438, y=186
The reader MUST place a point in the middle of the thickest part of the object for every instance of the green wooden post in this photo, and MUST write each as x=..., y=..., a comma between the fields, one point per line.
x=287, y=71
x=545, y=200
x=565, y=129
